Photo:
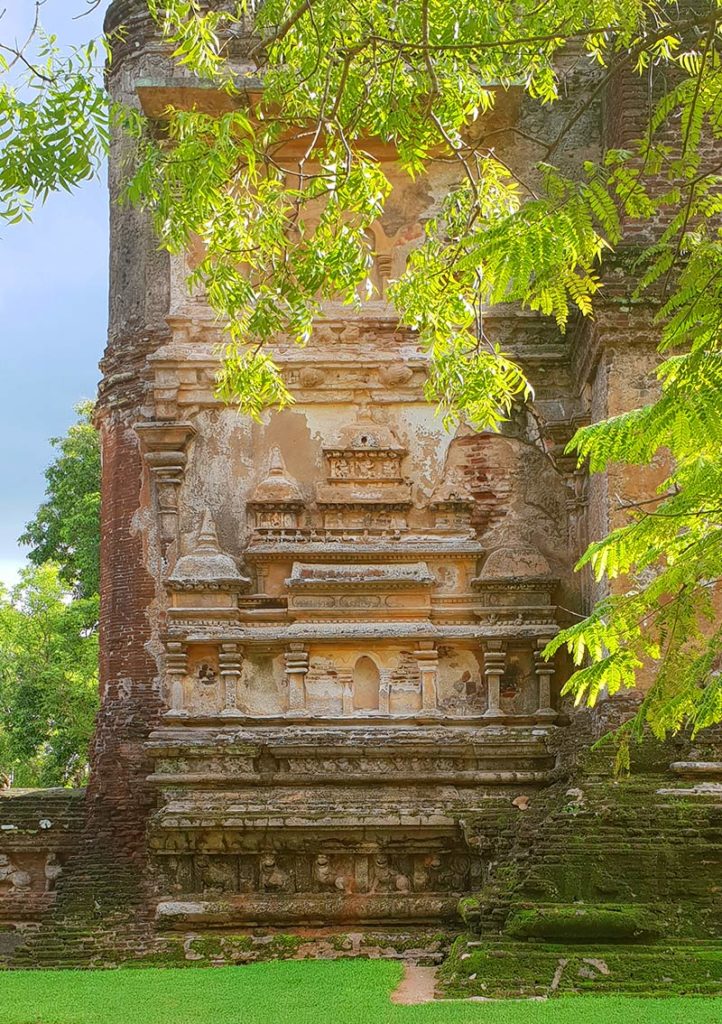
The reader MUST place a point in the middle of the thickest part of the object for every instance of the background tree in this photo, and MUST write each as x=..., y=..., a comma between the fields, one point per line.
x=66, y=527
x=48, y=624
x=48, y=680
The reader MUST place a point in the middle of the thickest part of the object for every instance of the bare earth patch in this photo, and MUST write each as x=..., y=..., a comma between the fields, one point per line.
x=417, y=986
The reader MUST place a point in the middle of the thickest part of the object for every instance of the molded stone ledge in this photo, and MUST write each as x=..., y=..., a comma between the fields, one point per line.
x=251, y=909
x=201, y=947
x=481, y=778
x=370, y=719
x=694, y=769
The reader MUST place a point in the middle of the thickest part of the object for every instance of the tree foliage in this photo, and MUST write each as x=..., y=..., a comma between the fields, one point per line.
x=282, y=236
x=48, y=624
x=54, y=118
x=282, y=192
x=66, y=527
x=48, y=680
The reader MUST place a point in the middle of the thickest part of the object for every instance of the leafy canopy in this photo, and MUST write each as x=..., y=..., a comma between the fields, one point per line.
x=283, y=192
x=54, y=118
x=282, y=233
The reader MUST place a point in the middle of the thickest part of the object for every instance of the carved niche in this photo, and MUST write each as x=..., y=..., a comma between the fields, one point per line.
x=277, y=502
x=363, y=471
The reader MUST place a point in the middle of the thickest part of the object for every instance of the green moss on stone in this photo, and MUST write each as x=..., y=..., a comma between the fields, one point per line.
x=509, y=969
x=577, y=922
x=469, y=908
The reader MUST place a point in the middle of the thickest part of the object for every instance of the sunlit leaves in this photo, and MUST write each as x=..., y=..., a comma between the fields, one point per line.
x=280, y=238
x=54, y=123
x=669, y=554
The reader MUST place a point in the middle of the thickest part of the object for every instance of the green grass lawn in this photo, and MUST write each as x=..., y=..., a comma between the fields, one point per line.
x=296, y=992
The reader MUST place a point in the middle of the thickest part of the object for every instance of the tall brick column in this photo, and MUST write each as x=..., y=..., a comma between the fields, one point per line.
x=118, y=798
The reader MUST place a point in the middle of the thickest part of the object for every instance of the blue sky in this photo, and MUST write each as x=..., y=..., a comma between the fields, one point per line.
x=53, y=314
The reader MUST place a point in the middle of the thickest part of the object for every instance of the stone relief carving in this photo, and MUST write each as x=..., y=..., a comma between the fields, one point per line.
x=380, y=871
x=275, y=878
x=13, y=877
x=326, y=877
x=53, y=871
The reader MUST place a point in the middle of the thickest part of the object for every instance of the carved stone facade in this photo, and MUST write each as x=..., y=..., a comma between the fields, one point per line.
x=349, y=601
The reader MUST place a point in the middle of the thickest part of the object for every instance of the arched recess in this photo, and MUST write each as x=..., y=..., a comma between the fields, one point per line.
x=366, y=682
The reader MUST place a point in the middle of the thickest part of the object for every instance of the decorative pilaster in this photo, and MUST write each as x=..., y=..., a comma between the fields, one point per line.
x=176, y=661
x=427, y=658
x=229, y=660
x=383, y=267
x=296, y=658
x=385, y=691
x=345, y=678
x=545, y=673
x=494, y=666
x=165, y=447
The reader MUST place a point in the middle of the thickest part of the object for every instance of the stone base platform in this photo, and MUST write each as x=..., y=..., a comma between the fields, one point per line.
x=355, y=825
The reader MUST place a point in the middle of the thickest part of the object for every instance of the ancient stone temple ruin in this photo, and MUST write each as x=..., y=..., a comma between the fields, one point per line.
x=326, y=722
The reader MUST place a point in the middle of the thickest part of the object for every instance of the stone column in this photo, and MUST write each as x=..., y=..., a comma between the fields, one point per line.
x=545, y=672
x=296, y=658
x=176, y=661
x=385, y=690
x=345, y=678
x=494, y=665
x=229, y=660
x=427, y=658
x=165, y=455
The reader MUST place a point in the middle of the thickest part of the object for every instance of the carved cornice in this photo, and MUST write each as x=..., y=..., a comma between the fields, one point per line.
x=401, y=548
x=317, y=577
x=341, y=631
x=543, y=584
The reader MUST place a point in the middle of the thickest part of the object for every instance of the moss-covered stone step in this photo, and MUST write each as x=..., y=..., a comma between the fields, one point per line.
x=575, y=922
x=506, y=969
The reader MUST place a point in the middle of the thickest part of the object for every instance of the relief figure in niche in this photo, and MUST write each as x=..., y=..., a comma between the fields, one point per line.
x=217, y=874
x=177, y=873
x=340, y=468
x=366, y=685
x=206, y=692
x=273, y=877
x=13, y=876
x=517, y=691
x=442, y=872
x=386, y=878
x=326, y=876
x=53, y=871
